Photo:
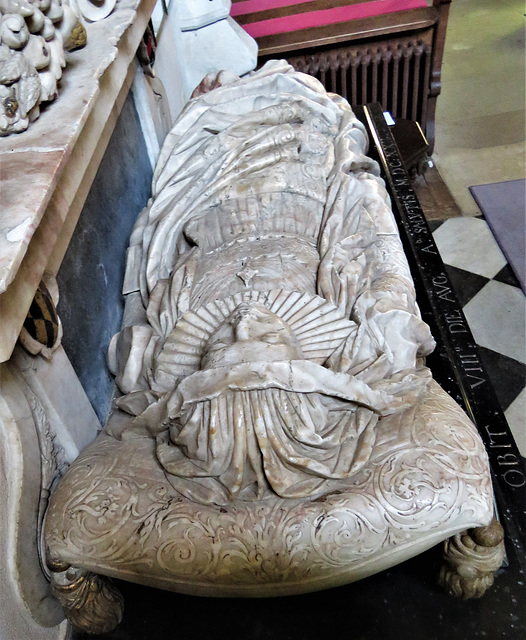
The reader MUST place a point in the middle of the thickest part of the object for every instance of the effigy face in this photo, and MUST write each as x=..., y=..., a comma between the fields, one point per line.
x=278, y=333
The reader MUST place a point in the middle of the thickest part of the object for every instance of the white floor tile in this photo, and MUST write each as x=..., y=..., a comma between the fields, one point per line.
x=516, y=417
x=497, y=317
x=467, y=243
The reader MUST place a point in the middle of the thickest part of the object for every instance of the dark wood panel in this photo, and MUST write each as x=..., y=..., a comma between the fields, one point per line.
x=398, y=22
x=435, y=197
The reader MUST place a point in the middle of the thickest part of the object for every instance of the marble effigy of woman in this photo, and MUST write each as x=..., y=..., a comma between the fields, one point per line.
x=270, y=318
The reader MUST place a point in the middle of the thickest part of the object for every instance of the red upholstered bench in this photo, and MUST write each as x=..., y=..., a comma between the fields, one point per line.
x=388, y=51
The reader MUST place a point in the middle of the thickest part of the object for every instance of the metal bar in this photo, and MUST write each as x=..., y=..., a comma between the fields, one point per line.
x=416, y=82
x=407, y=59
x=354, y=83
x=385, y=79
x=394, y=94
x=344, y=81
x=364, y=64
x=374, y=81
x=334, y=69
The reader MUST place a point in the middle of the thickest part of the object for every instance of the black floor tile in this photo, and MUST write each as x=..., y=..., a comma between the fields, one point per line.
x=507, y=276
x=508, y=376
x=434, y=224
x=465, y=283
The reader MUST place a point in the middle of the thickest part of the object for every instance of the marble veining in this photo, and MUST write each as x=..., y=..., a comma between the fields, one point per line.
x=497, y=317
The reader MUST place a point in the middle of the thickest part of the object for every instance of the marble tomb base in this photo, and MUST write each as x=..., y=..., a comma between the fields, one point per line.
x=278, y=431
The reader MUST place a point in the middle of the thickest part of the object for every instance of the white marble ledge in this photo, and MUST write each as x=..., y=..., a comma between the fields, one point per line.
x=32, y=162
x=46, y=172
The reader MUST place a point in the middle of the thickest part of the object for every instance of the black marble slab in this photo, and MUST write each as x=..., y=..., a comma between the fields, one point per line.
x=465, y=283
x=456, y=363
x=92, y=272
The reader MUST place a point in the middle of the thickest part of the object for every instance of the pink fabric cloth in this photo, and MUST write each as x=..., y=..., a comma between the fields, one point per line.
x=316, y=18
x=251, y=6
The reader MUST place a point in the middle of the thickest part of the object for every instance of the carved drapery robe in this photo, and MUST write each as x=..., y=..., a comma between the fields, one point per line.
x=274, y=318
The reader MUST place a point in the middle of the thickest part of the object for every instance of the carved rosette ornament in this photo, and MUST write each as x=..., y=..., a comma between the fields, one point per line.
x=34, y=36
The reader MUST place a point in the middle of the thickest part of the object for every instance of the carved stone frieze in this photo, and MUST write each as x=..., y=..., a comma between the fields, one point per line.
x=32, y=460
x=38, y=398
x=53, y=463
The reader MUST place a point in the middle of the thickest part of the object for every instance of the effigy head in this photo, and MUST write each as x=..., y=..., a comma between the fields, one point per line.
x=251, y=333
x=265, y=326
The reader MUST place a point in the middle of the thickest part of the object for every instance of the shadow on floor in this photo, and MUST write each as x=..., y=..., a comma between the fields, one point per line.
x=400, y=603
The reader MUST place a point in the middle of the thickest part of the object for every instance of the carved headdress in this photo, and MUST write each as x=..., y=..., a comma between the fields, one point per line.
x=316, y=324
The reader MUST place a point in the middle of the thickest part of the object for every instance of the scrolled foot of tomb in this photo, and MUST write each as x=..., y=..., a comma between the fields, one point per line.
x=91, y=602
x=470, y=560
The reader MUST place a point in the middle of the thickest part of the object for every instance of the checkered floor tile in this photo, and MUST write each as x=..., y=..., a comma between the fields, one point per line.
x=495, y=308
